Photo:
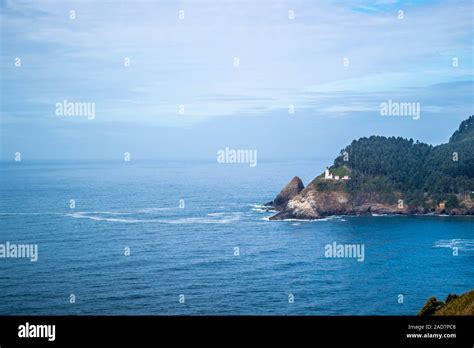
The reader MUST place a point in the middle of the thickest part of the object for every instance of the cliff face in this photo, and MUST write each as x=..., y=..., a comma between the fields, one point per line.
x=310, y=204
x=380, y=175
x=454, y=305
x=292, y=189
x=313, y=204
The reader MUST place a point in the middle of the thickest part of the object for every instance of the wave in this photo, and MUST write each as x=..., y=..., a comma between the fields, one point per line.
x=222, y=218
x=259, y=208
x=107, y=212
x=329, y=218
x=253, y=205
x=83, y=215
x=461, y=244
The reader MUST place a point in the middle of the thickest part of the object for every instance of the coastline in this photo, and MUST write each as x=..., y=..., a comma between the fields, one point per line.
x=342, y=216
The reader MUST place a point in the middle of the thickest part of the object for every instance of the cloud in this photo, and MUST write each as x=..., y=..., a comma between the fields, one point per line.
x=190, y=62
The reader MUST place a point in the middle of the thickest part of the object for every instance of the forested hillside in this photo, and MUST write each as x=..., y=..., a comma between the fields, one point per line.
x=424, y=174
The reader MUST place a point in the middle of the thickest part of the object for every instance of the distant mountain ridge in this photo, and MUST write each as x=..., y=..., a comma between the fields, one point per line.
x=390, y=176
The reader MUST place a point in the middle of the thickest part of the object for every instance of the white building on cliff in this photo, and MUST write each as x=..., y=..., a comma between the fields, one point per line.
x=328, y=176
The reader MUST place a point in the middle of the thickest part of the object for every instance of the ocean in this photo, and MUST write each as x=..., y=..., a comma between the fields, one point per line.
x=191, y=238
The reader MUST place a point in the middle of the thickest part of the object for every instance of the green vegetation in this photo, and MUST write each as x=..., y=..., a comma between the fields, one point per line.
x=341, y=171
x=431, y=306
x=465, y=131
x=327, y=185
x=452, y=201
x=424, y=175
x=454, y=305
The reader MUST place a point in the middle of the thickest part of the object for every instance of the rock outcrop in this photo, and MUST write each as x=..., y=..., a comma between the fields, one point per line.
x=291, y=190
x=313, y=204
x=310, y=203
x=454, y=305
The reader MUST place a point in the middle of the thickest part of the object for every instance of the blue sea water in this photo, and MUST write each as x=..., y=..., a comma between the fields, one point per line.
x=192, y=250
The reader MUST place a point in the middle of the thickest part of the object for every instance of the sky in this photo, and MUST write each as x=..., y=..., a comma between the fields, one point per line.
x=183, y=79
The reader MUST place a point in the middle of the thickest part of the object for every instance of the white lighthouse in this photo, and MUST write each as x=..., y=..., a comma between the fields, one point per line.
x=327, y=175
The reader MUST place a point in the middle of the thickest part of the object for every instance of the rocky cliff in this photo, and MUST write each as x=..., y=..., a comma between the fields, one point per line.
x=311, y=203
x=292, y=189
x=380, y=175
x=453, y=305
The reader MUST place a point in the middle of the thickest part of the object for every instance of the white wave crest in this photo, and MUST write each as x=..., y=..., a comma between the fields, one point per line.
x=258, y=206
x=84, y=215
x=105, y=216
x=461, y=244
x=329, y=218
x=216, y=214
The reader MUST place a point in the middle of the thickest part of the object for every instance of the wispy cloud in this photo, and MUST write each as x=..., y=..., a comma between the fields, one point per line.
x=190, y=62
